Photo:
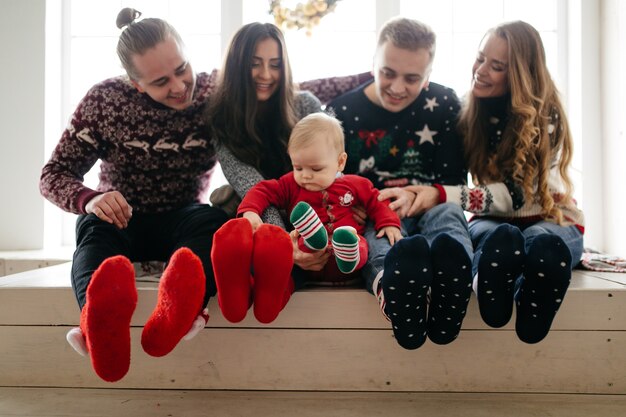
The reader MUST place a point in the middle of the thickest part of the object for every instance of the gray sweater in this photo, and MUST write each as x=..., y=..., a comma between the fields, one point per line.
x=242, y=176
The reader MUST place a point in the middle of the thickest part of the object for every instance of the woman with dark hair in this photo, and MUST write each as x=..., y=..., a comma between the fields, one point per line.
x=252, y=113
x=254, y=108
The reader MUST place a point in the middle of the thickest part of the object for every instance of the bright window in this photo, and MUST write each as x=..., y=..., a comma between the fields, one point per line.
x=93, y=37
x=342, y=44
x=460, y=26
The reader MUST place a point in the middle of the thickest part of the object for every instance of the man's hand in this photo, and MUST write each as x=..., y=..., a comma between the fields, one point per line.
x=426, y=197
x=392, y=233
x=112, y=208
x=314, y=261
x=402, y=198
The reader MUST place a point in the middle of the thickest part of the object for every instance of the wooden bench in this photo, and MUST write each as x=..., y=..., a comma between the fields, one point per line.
x=326, y=340
x=13, y=262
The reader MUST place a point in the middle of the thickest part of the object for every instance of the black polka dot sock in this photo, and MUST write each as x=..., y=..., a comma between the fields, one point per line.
x=547, y=275
x=450, y=290
x=500, y=264
x=405, y=283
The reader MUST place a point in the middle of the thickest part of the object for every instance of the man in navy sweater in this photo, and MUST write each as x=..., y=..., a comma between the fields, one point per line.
x=400, y=130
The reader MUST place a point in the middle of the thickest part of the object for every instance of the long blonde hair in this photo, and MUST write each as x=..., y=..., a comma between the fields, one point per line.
x=528, y=147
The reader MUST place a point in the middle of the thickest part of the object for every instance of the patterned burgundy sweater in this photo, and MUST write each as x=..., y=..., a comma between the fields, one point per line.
x=158, y=158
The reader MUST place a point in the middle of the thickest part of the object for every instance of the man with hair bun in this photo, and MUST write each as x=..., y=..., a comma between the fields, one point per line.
x=147, y=129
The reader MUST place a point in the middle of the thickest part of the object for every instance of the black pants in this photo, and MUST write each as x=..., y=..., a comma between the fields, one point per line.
x=148, y=237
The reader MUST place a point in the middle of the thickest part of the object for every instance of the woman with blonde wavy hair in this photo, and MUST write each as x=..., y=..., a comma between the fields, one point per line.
x=527, y=231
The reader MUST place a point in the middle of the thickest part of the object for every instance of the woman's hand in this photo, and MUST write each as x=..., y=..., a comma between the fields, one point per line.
x=359, y=215
x=112, y=208
x=402, y=198
x=314, y=261
x=253, y=218
x=392, y=233
x=426, y=197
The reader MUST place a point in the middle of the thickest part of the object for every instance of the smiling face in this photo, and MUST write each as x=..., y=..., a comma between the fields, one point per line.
x=267, y=68
x=316, y=164
x=165, y=75
x=399, y=76
x=490, y=73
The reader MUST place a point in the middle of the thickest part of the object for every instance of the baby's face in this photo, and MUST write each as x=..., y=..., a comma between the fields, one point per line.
x=316, y=165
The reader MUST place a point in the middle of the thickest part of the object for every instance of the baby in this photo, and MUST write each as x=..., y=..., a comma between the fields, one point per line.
x=320, y=200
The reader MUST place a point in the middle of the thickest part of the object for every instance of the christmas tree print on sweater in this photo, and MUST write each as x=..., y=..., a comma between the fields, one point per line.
x=418, y=145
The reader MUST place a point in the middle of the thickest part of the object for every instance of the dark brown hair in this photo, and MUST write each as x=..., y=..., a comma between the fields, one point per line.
x=252, y=135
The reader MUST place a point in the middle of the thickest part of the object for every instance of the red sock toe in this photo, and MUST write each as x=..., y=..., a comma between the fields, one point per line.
x=272, y=260
x=181, y=292
x=105, y=319
x=231, y=256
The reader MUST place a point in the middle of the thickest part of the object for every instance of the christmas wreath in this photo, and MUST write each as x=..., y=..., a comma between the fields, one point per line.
x=305, y=15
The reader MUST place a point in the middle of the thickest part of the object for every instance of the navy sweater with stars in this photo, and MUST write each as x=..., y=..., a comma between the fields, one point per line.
x=418, y=145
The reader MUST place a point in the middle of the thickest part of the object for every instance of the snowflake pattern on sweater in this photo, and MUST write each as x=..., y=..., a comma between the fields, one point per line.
x=158, y=158
x=505, y=200
x=418, y=145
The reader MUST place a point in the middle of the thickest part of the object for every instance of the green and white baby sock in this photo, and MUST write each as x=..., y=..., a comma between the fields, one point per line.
x=309, y=225
x=345, y=243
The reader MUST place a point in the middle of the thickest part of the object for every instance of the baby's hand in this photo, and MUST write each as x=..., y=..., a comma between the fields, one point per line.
x=253, y=218
x=392, y=233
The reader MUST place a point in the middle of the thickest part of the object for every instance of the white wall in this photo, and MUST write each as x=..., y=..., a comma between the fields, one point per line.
x=613, y=63
x=22, y=30
x=584, y=113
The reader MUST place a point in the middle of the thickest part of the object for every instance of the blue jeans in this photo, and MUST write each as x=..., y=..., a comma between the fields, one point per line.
x=480, y=228
x=443, y=218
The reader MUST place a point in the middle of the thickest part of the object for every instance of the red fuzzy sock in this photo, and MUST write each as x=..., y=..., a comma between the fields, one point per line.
x=181, y=291
x=105, y=319
x=272, y=260
x=231, y=257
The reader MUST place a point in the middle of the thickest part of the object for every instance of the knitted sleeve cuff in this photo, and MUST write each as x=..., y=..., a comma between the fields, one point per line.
x=85, y=197
x=442, y=193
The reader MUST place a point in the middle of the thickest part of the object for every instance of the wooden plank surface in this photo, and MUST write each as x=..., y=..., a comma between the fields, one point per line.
x=13, y=262
x=335, y=360
x=59, y=276
x=25, y=402
x=329, y=308
x=590, y=304
x=326, y=339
